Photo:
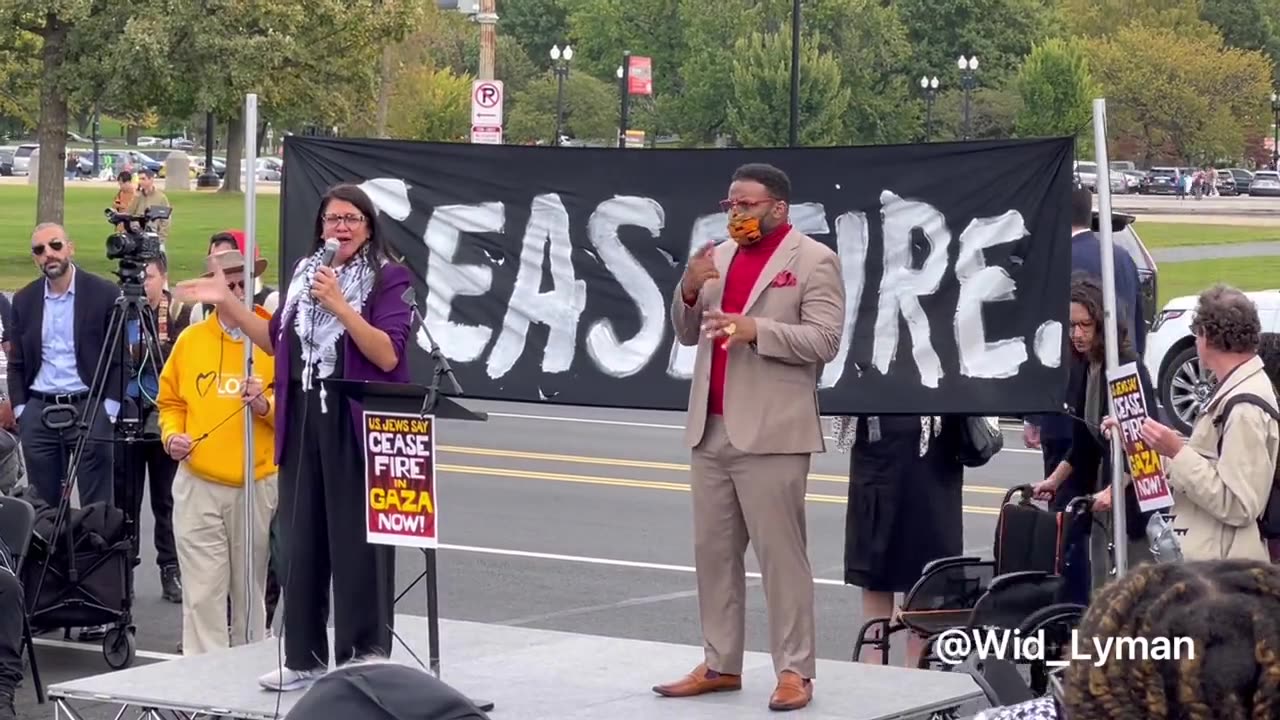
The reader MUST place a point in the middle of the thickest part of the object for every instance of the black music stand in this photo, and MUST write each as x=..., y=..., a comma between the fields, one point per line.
x=421, y=401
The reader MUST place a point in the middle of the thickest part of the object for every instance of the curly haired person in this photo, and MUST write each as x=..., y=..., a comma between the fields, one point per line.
x=1222, y=476
x=1228, y=668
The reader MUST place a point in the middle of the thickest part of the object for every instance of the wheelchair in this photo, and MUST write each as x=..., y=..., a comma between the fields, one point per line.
x=1036, y=582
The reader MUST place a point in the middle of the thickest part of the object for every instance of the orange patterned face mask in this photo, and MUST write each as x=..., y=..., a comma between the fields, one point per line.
x=744, y=229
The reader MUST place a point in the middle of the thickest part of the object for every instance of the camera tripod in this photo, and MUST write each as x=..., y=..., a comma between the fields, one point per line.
x=131, y=307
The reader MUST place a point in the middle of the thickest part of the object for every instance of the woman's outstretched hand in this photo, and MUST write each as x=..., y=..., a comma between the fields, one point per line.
x=210, y=290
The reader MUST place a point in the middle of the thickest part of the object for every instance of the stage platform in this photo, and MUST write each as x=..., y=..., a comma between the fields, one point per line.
x=530, y=675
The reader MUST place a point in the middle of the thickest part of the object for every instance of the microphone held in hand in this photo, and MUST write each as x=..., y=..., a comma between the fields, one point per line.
x=330, y=250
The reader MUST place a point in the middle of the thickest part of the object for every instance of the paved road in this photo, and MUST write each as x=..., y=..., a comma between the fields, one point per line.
x=1254, y=207
x=1189, y=253
x=578, y=519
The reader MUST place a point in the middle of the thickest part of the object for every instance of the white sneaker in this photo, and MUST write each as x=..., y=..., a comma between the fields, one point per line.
x=287, y=680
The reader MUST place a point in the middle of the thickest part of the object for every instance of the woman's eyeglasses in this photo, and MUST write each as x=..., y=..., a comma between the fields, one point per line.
x=54, y=245
x=348, y=220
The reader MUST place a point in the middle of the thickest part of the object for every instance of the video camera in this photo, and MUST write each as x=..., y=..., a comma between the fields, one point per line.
x=135, y=247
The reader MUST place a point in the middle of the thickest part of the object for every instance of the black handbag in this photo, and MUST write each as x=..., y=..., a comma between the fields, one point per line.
x=978, y=439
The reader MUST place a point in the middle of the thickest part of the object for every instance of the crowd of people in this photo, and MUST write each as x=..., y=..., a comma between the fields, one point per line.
x=343, y=318
x=760, y=336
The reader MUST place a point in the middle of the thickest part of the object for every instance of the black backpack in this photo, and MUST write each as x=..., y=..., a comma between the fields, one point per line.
x=1269, y=523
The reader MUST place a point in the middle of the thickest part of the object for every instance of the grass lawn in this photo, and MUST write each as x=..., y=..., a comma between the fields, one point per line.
x=1162, y=235
x=196, y=216
x=1189, y=278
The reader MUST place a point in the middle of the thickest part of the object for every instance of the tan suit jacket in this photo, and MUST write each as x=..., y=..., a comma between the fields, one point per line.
x=1217, y=499
x=771, y=390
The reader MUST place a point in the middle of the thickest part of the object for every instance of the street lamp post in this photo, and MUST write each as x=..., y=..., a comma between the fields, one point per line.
x=624, y=88
x=562, y=72
x=208, y=178
x=1275, y=137
x=793, y=134
x=968, y=80
x=929, y=85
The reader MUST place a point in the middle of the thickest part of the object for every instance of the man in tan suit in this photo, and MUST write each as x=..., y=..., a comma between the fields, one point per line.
x=766, y=312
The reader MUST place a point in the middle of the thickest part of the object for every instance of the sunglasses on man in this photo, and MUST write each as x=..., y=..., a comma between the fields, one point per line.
x=54, y=245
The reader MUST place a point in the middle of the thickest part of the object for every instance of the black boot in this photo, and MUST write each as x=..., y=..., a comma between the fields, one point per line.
x=171, y=583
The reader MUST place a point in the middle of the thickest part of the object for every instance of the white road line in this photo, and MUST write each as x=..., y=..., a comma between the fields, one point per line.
x=97, y=648
x=602, y=561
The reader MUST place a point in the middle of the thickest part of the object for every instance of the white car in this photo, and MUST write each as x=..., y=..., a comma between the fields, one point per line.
x=1181, y=385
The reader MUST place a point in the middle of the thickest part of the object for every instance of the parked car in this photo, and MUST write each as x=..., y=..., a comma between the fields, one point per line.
x=1266, y=183
x=6, y=160
x=22, y=159
x=1126, y=238
x=1226, y=184
x=1182, y=385
x=1160, y=181
x=1243, y=178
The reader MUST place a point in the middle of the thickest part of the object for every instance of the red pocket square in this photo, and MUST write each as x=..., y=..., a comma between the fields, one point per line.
x=783, y=279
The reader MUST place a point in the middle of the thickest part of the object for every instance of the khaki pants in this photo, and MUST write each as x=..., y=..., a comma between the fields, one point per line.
x=208, y=525
x=757, y=498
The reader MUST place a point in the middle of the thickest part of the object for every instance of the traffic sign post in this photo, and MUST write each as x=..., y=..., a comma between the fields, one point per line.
x=486, y=112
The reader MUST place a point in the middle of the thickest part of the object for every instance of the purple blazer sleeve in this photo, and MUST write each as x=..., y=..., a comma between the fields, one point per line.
x=273, y=328
x=389, y=312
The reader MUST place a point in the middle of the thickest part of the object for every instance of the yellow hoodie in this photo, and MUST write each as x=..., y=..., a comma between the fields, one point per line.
x=200, y=392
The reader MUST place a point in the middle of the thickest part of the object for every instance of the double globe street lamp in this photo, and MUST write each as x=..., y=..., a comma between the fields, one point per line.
x=560, y=65
x=929, y=85
x=968, y=80
x=1275, y=136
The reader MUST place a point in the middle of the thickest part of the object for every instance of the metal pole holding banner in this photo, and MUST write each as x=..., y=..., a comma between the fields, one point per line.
x=1103, y=186
x=250, y=244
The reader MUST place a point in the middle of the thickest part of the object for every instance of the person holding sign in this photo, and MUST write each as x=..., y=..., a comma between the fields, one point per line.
x=1089, y=458
x=1223, y=476
x=343, y=316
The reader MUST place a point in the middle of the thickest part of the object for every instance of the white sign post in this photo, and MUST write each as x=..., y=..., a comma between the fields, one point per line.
x=486, y=112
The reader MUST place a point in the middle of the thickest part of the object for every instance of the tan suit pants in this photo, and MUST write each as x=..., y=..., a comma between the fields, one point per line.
x=739, y=497
x=208, y=527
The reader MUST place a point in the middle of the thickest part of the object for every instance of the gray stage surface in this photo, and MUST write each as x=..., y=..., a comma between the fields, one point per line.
x=536, y=675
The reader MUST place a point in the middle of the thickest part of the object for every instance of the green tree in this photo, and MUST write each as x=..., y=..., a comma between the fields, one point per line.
x=1056, y=90
x=1000, y=33
x=1246, y=24
x=1102, y=18
x=534, y=25
x=759, y=115
x=431, y=105
x=20, y=77
x=1177, y=97
x=700, y=110
x=993, y=113
x=590, y=110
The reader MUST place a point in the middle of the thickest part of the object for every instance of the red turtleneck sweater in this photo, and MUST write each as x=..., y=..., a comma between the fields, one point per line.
x=748, y=263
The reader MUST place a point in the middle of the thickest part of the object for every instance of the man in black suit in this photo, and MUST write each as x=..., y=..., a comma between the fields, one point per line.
x=59, y=327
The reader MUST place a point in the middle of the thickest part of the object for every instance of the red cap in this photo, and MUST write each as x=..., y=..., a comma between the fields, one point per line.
x=239, y=236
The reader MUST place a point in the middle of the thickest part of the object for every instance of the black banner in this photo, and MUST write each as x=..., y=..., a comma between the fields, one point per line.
x=547, y=272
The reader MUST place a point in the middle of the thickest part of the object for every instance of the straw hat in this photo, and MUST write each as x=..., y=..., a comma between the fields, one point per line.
x=232, y=261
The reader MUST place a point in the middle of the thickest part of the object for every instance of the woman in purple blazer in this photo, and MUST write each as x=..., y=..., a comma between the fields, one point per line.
x=346, y=321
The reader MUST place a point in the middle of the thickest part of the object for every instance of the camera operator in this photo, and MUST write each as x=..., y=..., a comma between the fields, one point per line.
x=59, y=326
x=149, y=196
x=137, y=461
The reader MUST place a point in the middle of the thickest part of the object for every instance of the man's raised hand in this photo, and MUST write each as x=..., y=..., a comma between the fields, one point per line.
x=702, y=267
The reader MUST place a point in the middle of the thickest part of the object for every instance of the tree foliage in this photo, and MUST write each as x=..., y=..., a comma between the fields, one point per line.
x=1103, y=18
x=1057, y=91
x=1000, y=33
x=431, y=105
x=760, y=116
x=535, y=26
x=1181, y=98
x=590, y=110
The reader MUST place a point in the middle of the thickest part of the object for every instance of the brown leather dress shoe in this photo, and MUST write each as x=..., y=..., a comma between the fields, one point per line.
x=793, y=692
x=699, y=682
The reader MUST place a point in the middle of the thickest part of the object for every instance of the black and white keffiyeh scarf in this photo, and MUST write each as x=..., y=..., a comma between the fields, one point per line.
x=319, y=330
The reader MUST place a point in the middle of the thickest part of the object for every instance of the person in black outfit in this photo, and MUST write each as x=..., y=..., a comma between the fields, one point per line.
x=905, y=505
x=138, y=461
x=1052, y=433
x=1088, y=459
x=11, y=624
x=59, y=327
